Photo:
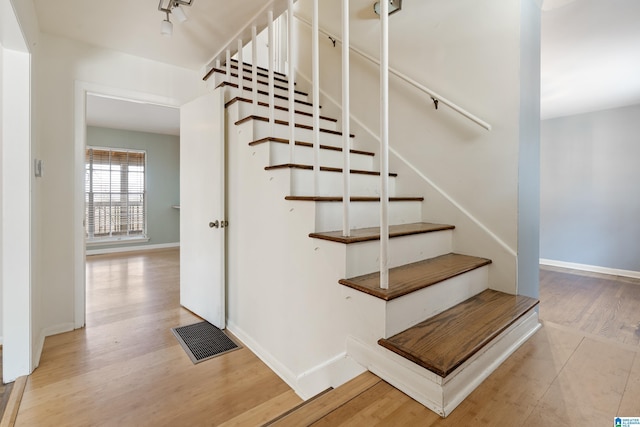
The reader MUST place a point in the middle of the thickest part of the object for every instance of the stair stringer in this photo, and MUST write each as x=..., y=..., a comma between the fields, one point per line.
x=443, y=395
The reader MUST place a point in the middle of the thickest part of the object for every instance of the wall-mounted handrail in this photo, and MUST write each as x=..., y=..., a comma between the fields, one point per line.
x=431, y=93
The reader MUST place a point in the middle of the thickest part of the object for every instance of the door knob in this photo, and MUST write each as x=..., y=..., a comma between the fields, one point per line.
x=215, y=224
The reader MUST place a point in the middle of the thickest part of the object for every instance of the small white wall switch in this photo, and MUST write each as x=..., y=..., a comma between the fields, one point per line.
x=38, y=167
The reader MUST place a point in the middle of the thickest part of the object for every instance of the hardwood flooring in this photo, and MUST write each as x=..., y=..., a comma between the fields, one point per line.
x=126, y=368
x=581, y=369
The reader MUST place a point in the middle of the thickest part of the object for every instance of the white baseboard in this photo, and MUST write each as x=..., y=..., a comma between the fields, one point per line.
x=591, y=268
x=132, y=248
x=332, y=373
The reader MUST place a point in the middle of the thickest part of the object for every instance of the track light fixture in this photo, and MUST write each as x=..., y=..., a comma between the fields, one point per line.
x=174, y=8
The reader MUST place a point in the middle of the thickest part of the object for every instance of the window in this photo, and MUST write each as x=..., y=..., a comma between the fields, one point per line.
x=114, y=194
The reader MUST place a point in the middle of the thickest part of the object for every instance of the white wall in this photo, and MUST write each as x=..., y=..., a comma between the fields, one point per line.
x=590, y=204
x=469, y=52
x=64, y=66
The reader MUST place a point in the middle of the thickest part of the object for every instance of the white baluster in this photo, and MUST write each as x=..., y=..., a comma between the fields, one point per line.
x=254, y=67
x=271, y=76
x=384, y=144
x=315, y=64
x=240, y=68
x=346, y=192
x=228, y=58
x=292, y=104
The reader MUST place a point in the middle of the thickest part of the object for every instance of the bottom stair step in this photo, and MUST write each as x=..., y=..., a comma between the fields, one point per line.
x=444, y=342
x=318, y=407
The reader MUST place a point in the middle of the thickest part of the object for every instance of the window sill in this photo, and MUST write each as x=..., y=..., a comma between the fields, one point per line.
x=117, y=241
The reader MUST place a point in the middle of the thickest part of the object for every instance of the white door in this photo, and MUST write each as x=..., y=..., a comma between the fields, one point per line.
x=202, y=209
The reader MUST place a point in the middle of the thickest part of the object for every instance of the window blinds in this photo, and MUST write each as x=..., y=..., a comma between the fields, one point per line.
x=114, y=193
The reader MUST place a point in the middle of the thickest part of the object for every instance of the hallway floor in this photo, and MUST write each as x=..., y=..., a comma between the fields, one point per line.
x=126, y=368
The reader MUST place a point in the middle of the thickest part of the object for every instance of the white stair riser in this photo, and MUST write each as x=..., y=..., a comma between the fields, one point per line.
x=364, y=257
x=365, y=214
x=279, y=155
x=331, y=184
x=262, y=129
x=438, y=394
x=409, y=310
x=247, y=109
x=220, y=78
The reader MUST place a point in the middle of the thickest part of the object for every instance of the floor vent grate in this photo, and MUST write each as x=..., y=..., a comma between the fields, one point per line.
x=203, y=341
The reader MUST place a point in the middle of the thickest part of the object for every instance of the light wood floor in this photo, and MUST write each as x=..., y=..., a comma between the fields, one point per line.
x=581, y=369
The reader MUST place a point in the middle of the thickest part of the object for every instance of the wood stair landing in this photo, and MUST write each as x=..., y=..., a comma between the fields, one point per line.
x=444, y=342
x=318, y=407
x=415, y=276
x=373, y=233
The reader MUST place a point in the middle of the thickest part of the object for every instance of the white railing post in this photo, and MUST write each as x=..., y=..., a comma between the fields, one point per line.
x=228, y=59
x=271, y=75
x=315, y=76
x=292, y=104
x=218, y=63
x=254, y=67
x=240, y=68
x=346, y=176
x=384, y=144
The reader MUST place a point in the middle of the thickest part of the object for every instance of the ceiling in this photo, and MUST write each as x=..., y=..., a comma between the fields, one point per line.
x=590, y=55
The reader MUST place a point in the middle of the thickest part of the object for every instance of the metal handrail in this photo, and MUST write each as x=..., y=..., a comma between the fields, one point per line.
x=437, y=98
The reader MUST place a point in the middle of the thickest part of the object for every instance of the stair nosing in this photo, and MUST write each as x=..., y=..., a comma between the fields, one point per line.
x=325, y=169
x=277, y=76
x=286, y=123
x=277, y=107
x=308, y=144
x=391, y=293
x=376, y=236
x=387, y=343
x=246, y=64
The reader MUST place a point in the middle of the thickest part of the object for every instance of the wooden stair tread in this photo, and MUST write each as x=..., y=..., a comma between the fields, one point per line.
x=415, y=276
x=352, y=198
x=308, y=144
x=262, y=82
x=315, y=409
x=324, y=169
x=373, y=233
x=261, y=92
x=444, y=342
x=286, y=123
x=277, y=107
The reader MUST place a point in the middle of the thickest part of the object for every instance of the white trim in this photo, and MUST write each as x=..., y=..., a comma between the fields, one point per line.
x=116, y=241
x=591, y=268
x=132, y=248
x=80, y=138
x=457, y=205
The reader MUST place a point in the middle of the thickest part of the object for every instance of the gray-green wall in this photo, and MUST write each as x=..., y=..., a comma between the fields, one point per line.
x=590, y=199
x=163, y=180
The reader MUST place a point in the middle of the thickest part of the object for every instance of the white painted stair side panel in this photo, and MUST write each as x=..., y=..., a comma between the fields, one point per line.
x=363, y=257
x=302, y=183
x=279, y=155
x=365, y=214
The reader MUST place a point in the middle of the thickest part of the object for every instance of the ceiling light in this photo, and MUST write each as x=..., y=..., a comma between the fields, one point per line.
x=173, y=7
x=166, y=27
x=179, y=14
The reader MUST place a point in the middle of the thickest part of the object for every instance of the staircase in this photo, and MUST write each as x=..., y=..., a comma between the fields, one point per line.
x=437, y=332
